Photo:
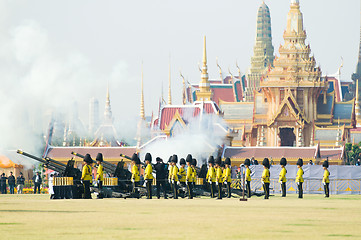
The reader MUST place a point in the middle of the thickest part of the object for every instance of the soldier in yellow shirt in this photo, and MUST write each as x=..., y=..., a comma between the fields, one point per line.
x=211, y=175
x=182, y=172
x=282, y=178
x=86, y=176
x=148, y=174
x=170, y=173
x=219, y=177
x=175, y=178
x=247, y=175
x=266, y=177
x=135, y=172
x=299, y=177
x=100, y=174
x=194, y=165
x=227, y=176
x=189, y=177
x=326, y=179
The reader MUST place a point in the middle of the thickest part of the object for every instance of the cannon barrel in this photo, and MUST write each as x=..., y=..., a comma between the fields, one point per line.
x=125, y=156
x=54, y=161
x=109, y=167
x=49, y=164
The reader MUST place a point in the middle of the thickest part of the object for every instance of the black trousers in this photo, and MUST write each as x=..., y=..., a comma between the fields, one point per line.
x=248, y=189
x=37, y=187
x=219, y=191
x=100, y=187
x=213, y=187
x=161, y=185
x=327, y=189
x=283, y=188
x=228, y=186
x=148, y=184
x=300, y=190
x=190, y=190
x=87, y=194
x=266, y=190
x=135, y=185
x=175, y=190
x=3, y=189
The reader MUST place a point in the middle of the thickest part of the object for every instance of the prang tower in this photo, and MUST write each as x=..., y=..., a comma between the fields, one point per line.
x=263, y=52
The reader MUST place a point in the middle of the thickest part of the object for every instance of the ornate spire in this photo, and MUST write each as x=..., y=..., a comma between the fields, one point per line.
x=169, y=87
x=295, y=19
x=142, y=113
x=184, y=91
x=220, y=69
x=108, y=110
x=357, y=105
x=204, y=93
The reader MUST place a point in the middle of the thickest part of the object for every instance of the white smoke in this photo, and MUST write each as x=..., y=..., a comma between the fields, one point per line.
x=40, y=78
x=202, y=137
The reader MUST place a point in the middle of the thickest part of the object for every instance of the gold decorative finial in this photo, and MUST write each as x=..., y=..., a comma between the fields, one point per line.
x=142, y=113
x=204, y=93
x=220, y=69
x=169, y=87
x=184, y=92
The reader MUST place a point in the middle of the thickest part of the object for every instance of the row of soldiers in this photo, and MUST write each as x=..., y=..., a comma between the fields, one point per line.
x=219, y=173
x=282, y=177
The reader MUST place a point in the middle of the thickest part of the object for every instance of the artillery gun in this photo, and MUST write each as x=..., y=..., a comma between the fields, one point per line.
x=67, y=184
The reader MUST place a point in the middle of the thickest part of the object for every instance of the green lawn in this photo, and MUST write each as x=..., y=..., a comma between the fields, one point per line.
x=37, y=217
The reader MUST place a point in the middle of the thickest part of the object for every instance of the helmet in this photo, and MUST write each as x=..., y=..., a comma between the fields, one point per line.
x=247, y=162
x=174, y=158
x=189, y=158
x=218, y=160
x=325, y=164
x=148, y=157
x=194, y=162
x=134, y=157
x=266, y=162
x=211, y=159
x=300, y=162
x=182, y=161
x=88, y=159
x=227, y=161
x=99, y=157
x=283, y=161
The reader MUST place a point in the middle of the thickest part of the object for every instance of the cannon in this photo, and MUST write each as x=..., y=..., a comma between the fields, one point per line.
x=68, y=184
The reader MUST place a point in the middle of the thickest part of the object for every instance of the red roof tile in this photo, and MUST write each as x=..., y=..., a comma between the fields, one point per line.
x=224, y=94
x=108, y=152
x=168, y=113
x=332, y=154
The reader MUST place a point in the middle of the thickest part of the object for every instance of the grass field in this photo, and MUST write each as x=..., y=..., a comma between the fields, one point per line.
x=37, y=217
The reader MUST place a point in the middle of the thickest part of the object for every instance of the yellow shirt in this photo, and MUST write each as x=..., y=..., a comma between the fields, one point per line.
x=100, y=173
x=219, y=175
x=282, y=177
x=248, y=174
x=194, y=175
x=135, y=173
x=189, y=176
x=326, y=175
x=211, y=174
x=175, y=174
x=265, y=176
x=87, y=173
x=148, y=172
x=170, y=172
x=299, y=176
x=182, y=173
x=227, y=175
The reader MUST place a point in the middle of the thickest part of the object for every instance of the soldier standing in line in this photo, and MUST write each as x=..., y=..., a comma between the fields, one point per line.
x=248, y=172
x=86, y=176
x=266, y=177
x=175, y=179
x=299, y=177
x=100, y=174
x=20, y=180
x=135, y=172
x=219, y=177
x=326, y=179
x=160, y=170
x=11, y=182
x=170, y=173
x=282, y=177
x=211, y=175
x=182, y=172
x=189, y=176
x=148, y=176
x=227, y=176
x=194, y=165
x=3, y=183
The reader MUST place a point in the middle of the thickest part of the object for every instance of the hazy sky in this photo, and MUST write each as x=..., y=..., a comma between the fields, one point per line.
x=57, y=52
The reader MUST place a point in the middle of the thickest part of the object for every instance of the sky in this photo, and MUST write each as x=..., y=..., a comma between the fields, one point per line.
x=55, y=53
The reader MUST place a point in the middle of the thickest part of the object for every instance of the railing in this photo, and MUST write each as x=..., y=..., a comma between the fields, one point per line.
x=310, y=186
